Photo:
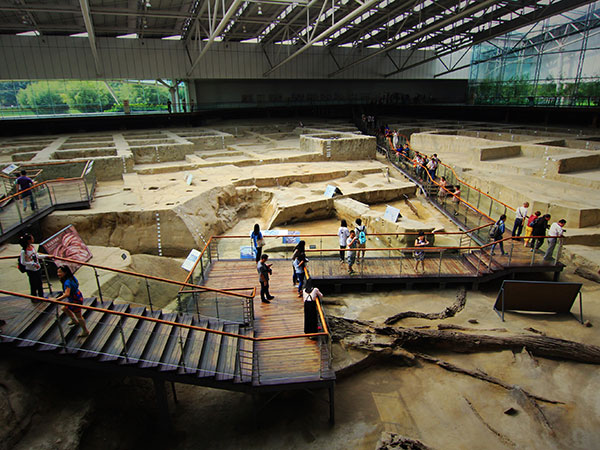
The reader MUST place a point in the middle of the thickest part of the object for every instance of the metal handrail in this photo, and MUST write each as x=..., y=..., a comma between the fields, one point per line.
x=455, y=176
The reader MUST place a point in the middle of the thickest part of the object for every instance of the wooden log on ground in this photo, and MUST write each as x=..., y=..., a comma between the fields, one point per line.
x=419, y=339
x=450, y=311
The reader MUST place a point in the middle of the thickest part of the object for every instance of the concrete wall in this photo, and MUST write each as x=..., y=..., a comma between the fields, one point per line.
x=340, y=146
x=288, y=92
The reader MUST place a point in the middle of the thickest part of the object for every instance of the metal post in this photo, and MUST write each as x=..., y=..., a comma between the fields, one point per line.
x=202, y=270
x=124, y=351
x=98, y=284
x=534, y=242
x=19, y=211
x=182, y=358
x=195, y=297
x=478, y=200
x=149, y=298
x=47, y=275
x=479, y=260
x=558, y=251
x=502, y=305
x=60, y=329
x=217, y=306
x=179, y=303
x=512, y=247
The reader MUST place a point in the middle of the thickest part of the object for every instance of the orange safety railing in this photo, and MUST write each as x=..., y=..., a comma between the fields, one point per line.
x=42, y=198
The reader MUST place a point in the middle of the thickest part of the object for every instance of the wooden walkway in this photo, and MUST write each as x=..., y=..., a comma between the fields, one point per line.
x=280, y=361
x=472, y=267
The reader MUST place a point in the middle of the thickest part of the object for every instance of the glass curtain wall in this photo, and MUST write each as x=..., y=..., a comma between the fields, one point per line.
x=76, y=97
x=554, y=63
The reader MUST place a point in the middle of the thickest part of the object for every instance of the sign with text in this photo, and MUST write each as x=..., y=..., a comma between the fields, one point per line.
x=191, y=259
x=391, y=214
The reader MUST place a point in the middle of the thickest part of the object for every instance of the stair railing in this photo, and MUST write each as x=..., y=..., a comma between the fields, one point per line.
x=14, y=214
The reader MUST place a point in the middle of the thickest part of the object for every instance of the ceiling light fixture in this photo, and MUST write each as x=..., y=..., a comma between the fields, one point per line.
x=259, y=12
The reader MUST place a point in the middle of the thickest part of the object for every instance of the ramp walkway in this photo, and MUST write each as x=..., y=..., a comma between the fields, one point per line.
x=16, y=212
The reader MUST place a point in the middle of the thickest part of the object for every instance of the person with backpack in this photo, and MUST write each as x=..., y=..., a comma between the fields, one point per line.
x=71, y=292
x=29, y=263
x=23, y=184
x=539, y=227
x=529, y=227
x=361, y=236
x=497, y=234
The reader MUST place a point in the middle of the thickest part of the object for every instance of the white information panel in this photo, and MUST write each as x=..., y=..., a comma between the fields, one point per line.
x=188, y=264
x=9, y=169
x=391, y=214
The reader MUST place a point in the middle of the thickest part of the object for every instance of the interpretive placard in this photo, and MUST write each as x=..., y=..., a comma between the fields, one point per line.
x=10, y=169
x=391, y=214
x=191, y=259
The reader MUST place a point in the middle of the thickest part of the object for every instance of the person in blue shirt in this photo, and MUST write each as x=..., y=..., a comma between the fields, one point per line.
x=257, y=241
x=73, y=294
x=498, y=234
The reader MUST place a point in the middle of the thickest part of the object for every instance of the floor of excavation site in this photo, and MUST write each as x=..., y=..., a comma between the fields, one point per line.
x=261, y=173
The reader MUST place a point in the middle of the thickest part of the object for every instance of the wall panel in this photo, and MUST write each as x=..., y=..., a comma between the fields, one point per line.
x=56, y=57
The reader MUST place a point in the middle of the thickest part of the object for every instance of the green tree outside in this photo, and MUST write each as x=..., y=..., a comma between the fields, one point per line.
x=43, y=98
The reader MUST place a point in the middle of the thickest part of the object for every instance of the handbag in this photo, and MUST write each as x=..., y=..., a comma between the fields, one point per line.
x=260, y=242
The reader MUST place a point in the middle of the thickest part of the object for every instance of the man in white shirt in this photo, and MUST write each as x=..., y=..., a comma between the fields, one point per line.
x=556, y=231
x=520, y=217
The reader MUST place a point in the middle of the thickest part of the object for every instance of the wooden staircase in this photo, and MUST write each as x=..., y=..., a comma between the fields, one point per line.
x=130, y=341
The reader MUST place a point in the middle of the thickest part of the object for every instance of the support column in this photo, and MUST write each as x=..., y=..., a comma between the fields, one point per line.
x=163, y=405
x=332, y=404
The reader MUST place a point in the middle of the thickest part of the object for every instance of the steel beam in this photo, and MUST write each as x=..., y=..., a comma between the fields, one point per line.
x=366, y=5
x=89, y=26
x=414, y=36
x=222, y=24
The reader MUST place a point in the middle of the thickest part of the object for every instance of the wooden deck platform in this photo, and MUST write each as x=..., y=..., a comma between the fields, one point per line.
x=281, y=361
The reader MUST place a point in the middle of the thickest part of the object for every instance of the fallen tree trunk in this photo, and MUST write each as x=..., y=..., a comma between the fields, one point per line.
x=364, y=334
x=450, y=311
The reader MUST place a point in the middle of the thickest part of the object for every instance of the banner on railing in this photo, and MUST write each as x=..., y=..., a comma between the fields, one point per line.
x=67, y=244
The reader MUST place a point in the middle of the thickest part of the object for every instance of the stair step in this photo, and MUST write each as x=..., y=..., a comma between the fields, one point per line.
x=93, y=346
x=171, y=358
x=71, y=334
x=27, y=319
x=228, y=354
x=130, y=326
x=156, y=346
x=46, y=328
x=210, y=353
x=94, y=322
x=193, y=347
